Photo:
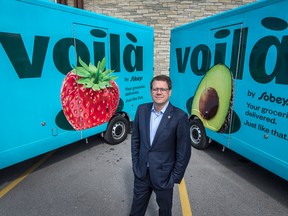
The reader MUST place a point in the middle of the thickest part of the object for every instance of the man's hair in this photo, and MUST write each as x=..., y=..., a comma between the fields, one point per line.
x=163, y=78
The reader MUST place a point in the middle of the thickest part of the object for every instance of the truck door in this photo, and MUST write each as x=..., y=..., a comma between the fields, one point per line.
x=89, y=46
x=228, y=44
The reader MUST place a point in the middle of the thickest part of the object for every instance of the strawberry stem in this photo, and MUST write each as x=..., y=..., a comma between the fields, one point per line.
x=95, y=77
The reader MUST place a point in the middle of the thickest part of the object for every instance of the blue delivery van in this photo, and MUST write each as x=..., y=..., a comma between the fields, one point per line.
x=67, y=74
x=230, y=73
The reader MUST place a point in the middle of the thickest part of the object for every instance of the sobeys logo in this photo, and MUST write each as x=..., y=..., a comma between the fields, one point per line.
x=201, y=55
x=128, y=54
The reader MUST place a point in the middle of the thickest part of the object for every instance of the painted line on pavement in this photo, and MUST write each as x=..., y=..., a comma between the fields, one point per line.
x=24, y=175
x=184, y=199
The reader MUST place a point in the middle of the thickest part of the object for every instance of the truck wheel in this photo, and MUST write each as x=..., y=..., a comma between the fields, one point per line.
x=117, y=130
x=198, y=135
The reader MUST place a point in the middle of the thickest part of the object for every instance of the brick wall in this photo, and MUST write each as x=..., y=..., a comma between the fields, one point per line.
x=162, y=15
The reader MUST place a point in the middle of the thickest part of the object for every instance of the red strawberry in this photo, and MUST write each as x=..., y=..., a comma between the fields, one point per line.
x=89, y=95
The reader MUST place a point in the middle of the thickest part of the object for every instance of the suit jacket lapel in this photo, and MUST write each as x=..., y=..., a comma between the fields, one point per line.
x=164, y=121
x=147, y=116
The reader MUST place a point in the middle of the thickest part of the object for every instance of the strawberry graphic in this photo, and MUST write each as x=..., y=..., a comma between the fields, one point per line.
x=89, y=95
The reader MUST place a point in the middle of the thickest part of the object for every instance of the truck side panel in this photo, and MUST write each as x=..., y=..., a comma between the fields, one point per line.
x=252, y=42
x=41, y=42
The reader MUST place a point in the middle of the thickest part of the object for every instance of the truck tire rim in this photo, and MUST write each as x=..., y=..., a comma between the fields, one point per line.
x=195, y=134
x=118, y=130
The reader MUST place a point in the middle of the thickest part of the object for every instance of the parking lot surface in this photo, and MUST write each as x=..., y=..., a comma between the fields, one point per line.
x=95, y=178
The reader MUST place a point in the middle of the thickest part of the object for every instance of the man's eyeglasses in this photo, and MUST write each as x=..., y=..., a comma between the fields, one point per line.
x=155, y=90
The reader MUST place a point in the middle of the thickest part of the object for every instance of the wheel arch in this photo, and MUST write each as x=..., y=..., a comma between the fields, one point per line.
x=123, y=114
x=193, y=117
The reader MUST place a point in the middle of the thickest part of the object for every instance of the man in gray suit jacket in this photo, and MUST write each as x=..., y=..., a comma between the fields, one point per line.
x=160, y=147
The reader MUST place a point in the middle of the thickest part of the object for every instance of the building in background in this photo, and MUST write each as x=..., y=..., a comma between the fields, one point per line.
x=162, y=15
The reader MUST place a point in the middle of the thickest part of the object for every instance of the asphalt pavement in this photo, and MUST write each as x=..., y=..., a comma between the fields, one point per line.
x=95, y=178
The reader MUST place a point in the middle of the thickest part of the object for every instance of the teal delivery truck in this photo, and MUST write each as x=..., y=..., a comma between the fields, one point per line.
x=67, y=74
x=230, y=73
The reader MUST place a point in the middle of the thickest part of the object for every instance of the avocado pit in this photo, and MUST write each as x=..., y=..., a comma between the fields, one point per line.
x=208, y=103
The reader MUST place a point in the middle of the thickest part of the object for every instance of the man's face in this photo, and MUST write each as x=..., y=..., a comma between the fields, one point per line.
x=160, y=92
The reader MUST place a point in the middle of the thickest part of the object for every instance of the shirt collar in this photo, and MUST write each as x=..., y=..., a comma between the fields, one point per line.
x=162, y=110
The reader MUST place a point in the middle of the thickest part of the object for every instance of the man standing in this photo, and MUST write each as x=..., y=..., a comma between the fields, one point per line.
x=160, y=147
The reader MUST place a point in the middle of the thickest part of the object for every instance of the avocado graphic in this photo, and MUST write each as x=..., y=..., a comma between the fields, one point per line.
x=213, y=98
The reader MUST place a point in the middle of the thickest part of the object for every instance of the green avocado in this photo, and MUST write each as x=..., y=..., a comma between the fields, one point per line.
x=213, y=98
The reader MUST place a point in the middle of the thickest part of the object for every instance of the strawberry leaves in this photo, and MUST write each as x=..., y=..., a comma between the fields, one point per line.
x=95, y=77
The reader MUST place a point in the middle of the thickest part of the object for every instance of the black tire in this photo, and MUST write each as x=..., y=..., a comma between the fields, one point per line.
x=117, y=130
x=198, y=136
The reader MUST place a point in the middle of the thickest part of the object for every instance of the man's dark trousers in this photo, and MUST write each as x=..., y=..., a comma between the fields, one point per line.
x=142, y=194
